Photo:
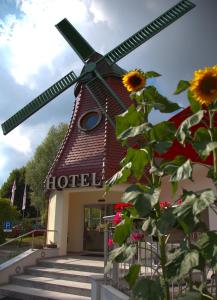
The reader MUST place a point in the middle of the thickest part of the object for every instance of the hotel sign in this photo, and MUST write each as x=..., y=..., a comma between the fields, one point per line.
x=73, y=181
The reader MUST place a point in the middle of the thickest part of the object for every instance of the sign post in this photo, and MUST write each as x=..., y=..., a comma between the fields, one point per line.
x=7, y=226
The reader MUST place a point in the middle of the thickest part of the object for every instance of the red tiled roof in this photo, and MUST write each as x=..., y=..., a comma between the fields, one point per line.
x=96, y=151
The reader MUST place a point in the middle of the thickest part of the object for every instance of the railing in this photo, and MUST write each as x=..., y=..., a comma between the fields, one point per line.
x=147, y=255
x=34, y=239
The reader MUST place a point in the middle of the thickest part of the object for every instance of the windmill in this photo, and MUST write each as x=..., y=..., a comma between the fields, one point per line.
x=95, y=65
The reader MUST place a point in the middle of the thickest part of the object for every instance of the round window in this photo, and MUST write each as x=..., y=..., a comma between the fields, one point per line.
x=89, y=120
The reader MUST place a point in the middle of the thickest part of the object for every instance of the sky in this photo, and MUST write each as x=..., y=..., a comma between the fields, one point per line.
x=34, y=55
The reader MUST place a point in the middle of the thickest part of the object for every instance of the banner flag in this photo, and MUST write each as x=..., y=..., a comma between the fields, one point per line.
x=24, y=199
x=13, y=193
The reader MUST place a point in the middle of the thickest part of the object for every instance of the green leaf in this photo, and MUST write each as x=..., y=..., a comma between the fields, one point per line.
x=149, y=226
x=173, y=264
x=112, y=256
x=162, y=147
x=204, y=200
x=195, y=105
x=145, y=202
x=184, y=213
x=138, y=158
x=207, y=243
x=201, y=142
x=158, y=101
x=163, y=131
x=120, y=177
x=190, y=261
x=134, y=131
x=130, y=118
x=122, y=231
x=147, y=289
x=182, y=86
x=151, y=74
x=191, y=295
x=166, y=221
x=132, y=275
x=133, y=192
x=182, y=172
x=169, y=167
x=183, y=131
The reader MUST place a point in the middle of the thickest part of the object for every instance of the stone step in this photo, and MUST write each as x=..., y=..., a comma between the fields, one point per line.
x=29, y=293
x=58, y=273
x=74, y=263
x=51, y=284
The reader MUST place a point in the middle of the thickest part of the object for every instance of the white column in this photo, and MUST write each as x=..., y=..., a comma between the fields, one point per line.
x=58, y=221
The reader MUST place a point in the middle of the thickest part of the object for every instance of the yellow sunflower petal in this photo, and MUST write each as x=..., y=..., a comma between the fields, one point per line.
x=134, y=80
x=204, y=85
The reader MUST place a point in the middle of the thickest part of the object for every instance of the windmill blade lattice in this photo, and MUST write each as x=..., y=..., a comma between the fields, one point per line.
x=148, y=31
x=28, y=110
x=75, y=40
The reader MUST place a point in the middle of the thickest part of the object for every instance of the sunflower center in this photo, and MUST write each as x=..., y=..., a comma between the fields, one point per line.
x=208, y=85
x=135, y=80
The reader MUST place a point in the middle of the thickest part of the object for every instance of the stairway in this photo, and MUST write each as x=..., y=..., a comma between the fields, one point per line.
x=62, y=278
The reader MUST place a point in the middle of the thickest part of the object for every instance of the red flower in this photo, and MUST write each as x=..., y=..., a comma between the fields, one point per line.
x=164, y=204
x=121, y=206
x=137, y=236
x=136, y=146
x=110, y=243
x=179, y=202
x=117, y=218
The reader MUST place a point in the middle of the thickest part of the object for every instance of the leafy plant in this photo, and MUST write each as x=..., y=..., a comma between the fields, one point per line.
x=146, y=145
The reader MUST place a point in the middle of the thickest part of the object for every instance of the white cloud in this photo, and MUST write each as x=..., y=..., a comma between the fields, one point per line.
x=17, y=141
x=98, y=12
x=32, y=39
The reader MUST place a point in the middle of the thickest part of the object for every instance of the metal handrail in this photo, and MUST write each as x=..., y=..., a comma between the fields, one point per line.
x=26, y=234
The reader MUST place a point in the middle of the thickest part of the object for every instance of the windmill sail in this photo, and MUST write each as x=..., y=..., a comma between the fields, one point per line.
x=85, y=52
x=75, y=40
x=148, y=31
x=28, y=110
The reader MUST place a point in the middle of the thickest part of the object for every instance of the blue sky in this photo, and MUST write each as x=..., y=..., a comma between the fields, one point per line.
x=33, y=55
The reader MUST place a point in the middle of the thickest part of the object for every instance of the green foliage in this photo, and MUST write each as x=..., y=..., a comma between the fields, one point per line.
x=182, y=86
x=122, y=231
x=131, y=118
x=195, y=105
x=7, y=213
x=151, y=74
x=147, y=214
x=147, y=289
x=132, y=275
x=37, y=168
x=183, y=133
x=159, y=102
x=18, y=175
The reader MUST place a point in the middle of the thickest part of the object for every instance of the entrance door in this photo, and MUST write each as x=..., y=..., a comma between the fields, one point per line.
x=94, y=226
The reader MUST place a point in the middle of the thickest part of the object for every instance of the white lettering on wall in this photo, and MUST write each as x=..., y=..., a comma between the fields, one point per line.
x=72, y=181
x=51, y=183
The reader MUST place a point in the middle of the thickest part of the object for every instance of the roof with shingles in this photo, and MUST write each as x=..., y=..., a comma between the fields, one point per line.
x=95, y=151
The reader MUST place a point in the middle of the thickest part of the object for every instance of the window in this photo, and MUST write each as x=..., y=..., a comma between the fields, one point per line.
x=89, y=120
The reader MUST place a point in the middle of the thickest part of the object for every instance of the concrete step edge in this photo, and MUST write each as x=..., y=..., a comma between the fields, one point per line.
x=55, y=282
x=35, y=293
x=60, y=271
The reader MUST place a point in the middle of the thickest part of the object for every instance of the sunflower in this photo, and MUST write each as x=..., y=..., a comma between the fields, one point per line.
x=134, y=80
x=204, y=85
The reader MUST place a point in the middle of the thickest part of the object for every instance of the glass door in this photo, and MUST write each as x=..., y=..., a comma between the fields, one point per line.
x=94, y=226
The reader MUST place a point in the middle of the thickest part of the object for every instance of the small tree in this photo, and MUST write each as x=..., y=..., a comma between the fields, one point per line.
x=18, y=175
x=7, y=213
x=37, y=168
